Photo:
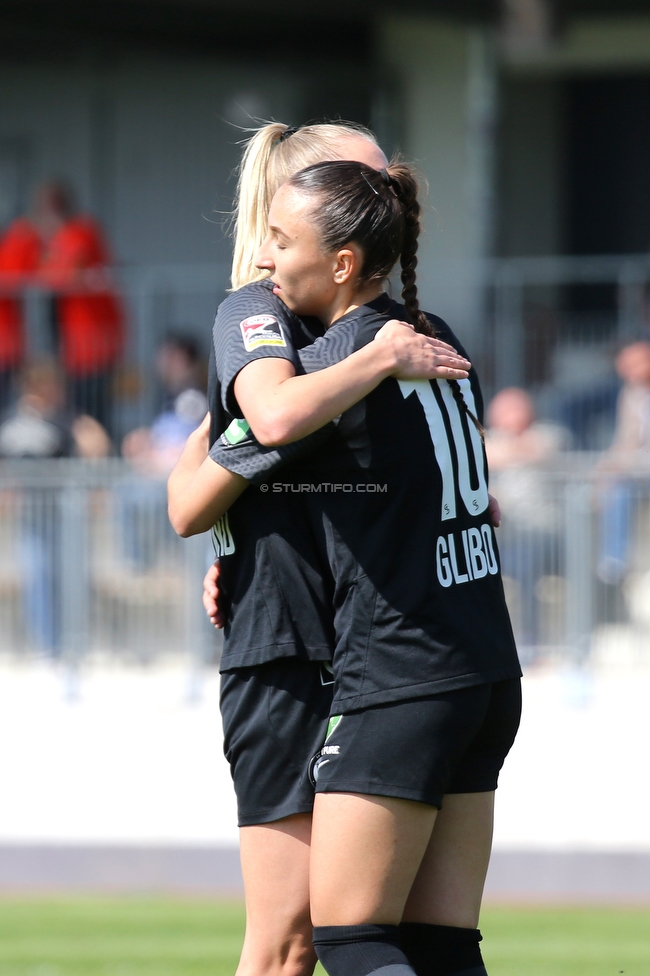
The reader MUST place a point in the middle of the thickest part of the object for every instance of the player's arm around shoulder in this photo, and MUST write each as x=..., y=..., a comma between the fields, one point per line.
x=282, y=407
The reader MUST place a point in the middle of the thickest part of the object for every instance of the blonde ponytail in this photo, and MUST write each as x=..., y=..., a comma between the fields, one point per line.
x=268, y=161
x=253, y=202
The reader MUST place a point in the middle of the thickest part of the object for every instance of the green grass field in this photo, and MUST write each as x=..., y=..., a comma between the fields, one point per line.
x=174, y=937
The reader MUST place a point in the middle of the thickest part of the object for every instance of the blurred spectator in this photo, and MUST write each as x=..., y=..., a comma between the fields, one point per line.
x=59, y=250
x=631, y=445
x=153, y=451
x=156, y=449
x=589, y=413
x=89, y=317
x=40, y=426
x=518, y=446
x=628, y=454
x=20, y=256
x=514, y=437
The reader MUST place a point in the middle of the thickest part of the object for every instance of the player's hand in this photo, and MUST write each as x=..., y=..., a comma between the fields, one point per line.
x=211, y=594
x=494, y=511
x=421, y=357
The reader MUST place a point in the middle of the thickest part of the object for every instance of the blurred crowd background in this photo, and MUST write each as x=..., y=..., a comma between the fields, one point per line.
x=120, y=126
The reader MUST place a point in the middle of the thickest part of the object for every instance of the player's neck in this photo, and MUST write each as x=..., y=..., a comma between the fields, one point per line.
x=348, y=302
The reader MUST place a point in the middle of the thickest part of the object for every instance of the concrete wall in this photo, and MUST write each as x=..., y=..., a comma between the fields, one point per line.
x=147, y=802
x=446, y=74
x=144, y=142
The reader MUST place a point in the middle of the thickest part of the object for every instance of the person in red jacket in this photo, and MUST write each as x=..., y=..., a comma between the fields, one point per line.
x=65, y=253
x=20, y=256
x=89, y=314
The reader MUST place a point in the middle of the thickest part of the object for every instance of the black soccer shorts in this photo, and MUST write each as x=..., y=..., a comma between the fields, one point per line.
x=423, y=748
x=274, y=720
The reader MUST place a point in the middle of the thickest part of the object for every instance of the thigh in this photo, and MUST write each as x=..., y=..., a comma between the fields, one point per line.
x=274, y=719
x=275, y=867
x=449, y=884
x=366, y=851
x=371, y=848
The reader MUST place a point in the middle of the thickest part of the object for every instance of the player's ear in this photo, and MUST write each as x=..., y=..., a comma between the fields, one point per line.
x=347, y=264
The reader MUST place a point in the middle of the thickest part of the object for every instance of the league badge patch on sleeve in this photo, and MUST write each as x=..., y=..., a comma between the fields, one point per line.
x=261, y=330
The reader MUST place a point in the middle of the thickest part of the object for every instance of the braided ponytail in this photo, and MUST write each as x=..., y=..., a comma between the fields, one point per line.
x=403, y=183
x=405, y=187
x=460, y=400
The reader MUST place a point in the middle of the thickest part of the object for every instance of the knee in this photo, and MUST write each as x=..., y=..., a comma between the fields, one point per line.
x=293, y=955
x=301, y=958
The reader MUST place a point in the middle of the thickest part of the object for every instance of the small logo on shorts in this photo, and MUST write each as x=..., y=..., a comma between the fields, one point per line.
x=314, y=767
x=261, y=330
x=324, y=754
x=332, y=725
x=319, y=760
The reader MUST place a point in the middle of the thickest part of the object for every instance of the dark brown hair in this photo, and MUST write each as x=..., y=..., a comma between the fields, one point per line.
x=379, y=211
x=376, y=209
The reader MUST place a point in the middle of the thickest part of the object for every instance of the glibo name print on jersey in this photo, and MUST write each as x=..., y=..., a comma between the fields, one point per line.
x=470, y=550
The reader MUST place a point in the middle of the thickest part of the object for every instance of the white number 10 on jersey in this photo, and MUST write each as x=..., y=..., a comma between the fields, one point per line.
x=474, y=499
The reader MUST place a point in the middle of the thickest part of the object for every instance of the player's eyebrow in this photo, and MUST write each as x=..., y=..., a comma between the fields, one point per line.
x=278, y=232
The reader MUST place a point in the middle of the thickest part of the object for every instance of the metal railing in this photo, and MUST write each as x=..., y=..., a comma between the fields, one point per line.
x=511, y=281
x=89, y=565
x=575, y=556
x=158, y=299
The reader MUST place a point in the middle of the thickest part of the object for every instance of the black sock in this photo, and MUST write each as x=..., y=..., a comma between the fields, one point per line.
x=442, y=950
x=358, y=950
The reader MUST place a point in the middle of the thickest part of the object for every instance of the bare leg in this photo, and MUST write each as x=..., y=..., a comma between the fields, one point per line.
x=366, y=851
x=449, y=884
x=275, y=865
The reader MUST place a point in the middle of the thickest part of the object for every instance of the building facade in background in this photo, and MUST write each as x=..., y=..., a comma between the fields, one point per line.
x=528, y=118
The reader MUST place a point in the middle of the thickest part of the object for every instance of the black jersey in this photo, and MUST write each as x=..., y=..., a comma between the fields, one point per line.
x=277, y=592
x=400, y=487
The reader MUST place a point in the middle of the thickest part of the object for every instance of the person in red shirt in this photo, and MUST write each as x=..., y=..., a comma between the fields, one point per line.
x=20, y=256
x=65, y=253
x=89, y=314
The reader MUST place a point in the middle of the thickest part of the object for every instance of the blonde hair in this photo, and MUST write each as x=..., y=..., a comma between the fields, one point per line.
x=268, y=161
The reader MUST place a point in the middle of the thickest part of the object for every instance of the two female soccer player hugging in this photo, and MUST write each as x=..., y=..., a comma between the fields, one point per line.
x=368, y=654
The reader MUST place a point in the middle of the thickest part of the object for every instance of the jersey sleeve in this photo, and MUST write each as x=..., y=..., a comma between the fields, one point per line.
x=238, y=450
x=251, y=324
x=337, y=344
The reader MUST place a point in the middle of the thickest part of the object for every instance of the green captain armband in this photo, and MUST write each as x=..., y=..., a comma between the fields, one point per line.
x=237, y=431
